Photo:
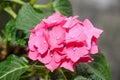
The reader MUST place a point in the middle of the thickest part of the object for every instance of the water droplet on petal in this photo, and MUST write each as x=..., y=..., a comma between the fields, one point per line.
x=58, y=38
x=74, y=49
x=44, y=42
x=51, y=55
x=54, y=21
x=72, y=37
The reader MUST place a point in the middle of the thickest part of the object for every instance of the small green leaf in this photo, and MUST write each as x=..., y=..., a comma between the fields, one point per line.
x=12, y=68
x=28, y=18
x=96, y=70
x=64, y=6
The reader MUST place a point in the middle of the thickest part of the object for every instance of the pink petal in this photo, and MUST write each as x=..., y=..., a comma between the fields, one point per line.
x=88, y=24
x=67, y=65
x=88, y=31
x=75, y=53
x=41, y=44
x=33, y=55
x=91, y=30
x=76, y=34
x=52, y=65
x=38, y=41
x=58, y=57
x=94, y=47
x=31, y=42
x=86, y=58
x=45, y=58
x=97, y=32
x=54, y=19
x=56, y=37
x=40, y=26
x=70, y=22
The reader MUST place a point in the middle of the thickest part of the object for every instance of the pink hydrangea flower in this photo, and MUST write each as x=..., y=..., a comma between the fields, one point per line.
x=61, y=41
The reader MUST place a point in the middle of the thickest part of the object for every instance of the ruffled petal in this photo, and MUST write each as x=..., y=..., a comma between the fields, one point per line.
x=86, y=58
x=56, y=37
x=54, y=19
x=45, y=58
x=31, y=42
x=67, y=65
x=76, y=34
x=75, y=53
x=52, y=65
x=33, y=55
x=97, y=32
x=70, y=22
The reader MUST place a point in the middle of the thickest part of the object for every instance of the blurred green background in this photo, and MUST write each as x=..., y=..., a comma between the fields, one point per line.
x=104, y=14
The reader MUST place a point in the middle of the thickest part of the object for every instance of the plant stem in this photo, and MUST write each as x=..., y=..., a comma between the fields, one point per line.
x=5, y=48
x=29, y=75
x=62, y=73
x=45, y=6
x=32, y=2
x=40, y=6
x=46, y=76
x=19, y=2
x=10, y=11
x=39, y=66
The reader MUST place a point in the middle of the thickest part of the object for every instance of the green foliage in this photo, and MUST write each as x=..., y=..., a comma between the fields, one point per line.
x=4, y=3
x=12, y=68
x=28, y=18
x=17, y=31
x=15, y=36
x=64, y=6
x=96, y=70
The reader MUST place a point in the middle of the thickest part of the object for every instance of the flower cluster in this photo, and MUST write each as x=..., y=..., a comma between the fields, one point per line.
x=61, y=41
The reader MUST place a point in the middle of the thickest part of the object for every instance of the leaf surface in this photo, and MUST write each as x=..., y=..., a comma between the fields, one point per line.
x=12, y=68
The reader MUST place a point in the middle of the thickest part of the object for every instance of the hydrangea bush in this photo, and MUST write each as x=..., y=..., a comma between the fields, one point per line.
x=50, y=44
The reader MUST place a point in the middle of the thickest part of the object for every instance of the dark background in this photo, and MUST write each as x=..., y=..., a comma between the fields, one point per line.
x=104, y=14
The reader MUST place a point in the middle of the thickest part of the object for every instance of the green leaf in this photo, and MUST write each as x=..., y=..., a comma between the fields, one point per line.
x=15, y=36
x=64, y=6
x=96, y=70
x=28, y=18
x=16, y=31
x=80, y=78
x=12, y=68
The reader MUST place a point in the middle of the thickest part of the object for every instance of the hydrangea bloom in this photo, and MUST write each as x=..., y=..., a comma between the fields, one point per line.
x=61, y=41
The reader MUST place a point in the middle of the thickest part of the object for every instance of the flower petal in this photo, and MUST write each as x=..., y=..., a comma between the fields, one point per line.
x=70, y=22
x=52, y=65
x=97, y=32
x=45, y=58
x=75, y=34
x=31, y=42
x=86, y=58
x=56, y=37
x=75, y=53
x=41, y=44
x=67, y=65
x=33, y=55
x=54, y=19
